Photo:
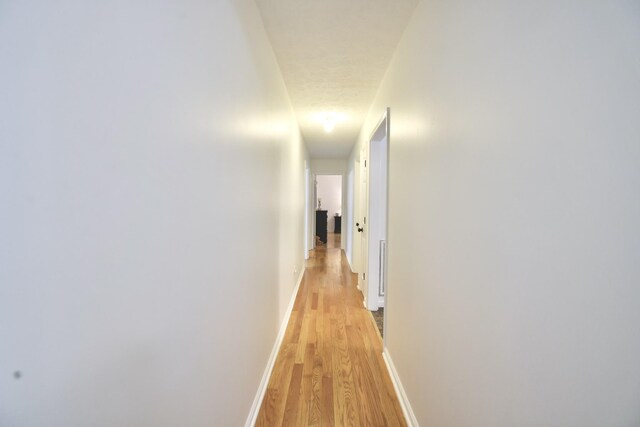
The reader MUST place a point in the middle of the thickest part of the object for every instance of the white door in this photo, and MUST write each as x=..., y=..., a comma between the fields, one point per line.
x=377, y=220
x=361, y=223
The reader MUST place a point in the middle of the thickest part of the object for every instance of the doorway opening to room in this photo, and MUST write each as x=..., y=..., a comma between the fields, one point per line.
x=328, y=211
x=372, y=221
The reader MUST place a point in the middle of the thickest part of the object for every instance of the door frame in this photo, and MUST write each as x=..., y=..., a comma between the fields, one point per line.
x=307, y=207
x=312, y=212
x=376, y=229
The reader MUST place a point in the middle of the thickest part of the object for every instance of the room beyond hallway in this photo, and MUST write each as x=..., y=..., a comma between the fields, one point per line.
x=330, y=369
x=333, y=240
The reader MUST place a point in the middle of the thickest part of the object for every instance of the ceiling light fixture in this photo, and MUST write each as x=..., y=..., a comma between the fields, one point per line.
x=329, y=119
x=328, y=126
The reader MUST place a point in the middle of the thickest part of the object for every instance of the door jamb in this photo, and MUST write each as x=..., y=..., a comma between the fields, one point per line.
x=375, y=134
x=377, y=230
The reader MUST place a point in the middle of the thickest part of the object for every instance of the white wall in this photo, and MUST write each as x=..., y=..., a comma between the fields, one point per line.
x=330, y=192
x=328, y=166
x=514, y=234
x=145, y=257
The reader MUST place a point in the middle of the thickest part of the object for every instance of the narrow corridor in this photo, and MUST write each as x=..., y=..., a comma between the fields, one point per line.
x=330, y=369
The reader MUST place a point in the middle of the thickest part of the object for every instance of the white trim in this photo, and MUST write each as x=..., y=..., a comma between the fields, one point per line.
x=377, y=210
x=262, y=389
x=307, y=209
x=351, y=267
x=409, y=416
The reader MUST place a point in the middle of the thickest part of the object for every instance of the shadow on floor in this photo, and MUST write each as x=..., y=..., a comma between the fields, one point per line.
x=378, y=316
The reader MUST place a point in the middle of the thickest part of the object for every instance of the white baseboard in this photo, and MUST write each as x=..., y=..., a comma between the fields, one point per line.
x=353, y=270
x=409, y=416
x=262, y=389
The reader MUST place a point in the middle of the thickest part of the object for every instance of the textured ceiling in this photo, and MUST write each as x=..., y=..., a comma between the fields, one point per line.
x=333, y=55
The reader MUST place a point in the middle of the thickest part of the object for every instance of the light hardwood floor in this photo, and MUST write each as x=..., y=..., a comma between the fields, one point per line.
x=330, y=369
x=333, y=241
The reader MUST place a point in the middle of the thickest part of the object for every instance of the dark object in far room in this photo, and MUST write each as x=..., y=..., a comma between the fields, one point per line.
x=337, y=224
x=321, y=225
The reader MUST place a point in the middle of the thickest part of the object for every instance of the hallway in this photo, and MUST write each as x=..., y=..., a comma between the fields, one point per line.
x=330, y=369
x=159, y=171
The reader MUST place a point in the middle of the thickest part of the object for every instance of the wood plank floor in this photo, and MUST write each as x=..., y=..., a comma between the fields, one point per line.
x=330, y=369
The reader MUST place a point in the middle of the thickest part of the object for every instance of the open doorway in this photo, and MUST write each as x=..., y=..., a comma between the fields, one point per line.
x=374, y=161
x=328, y=214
